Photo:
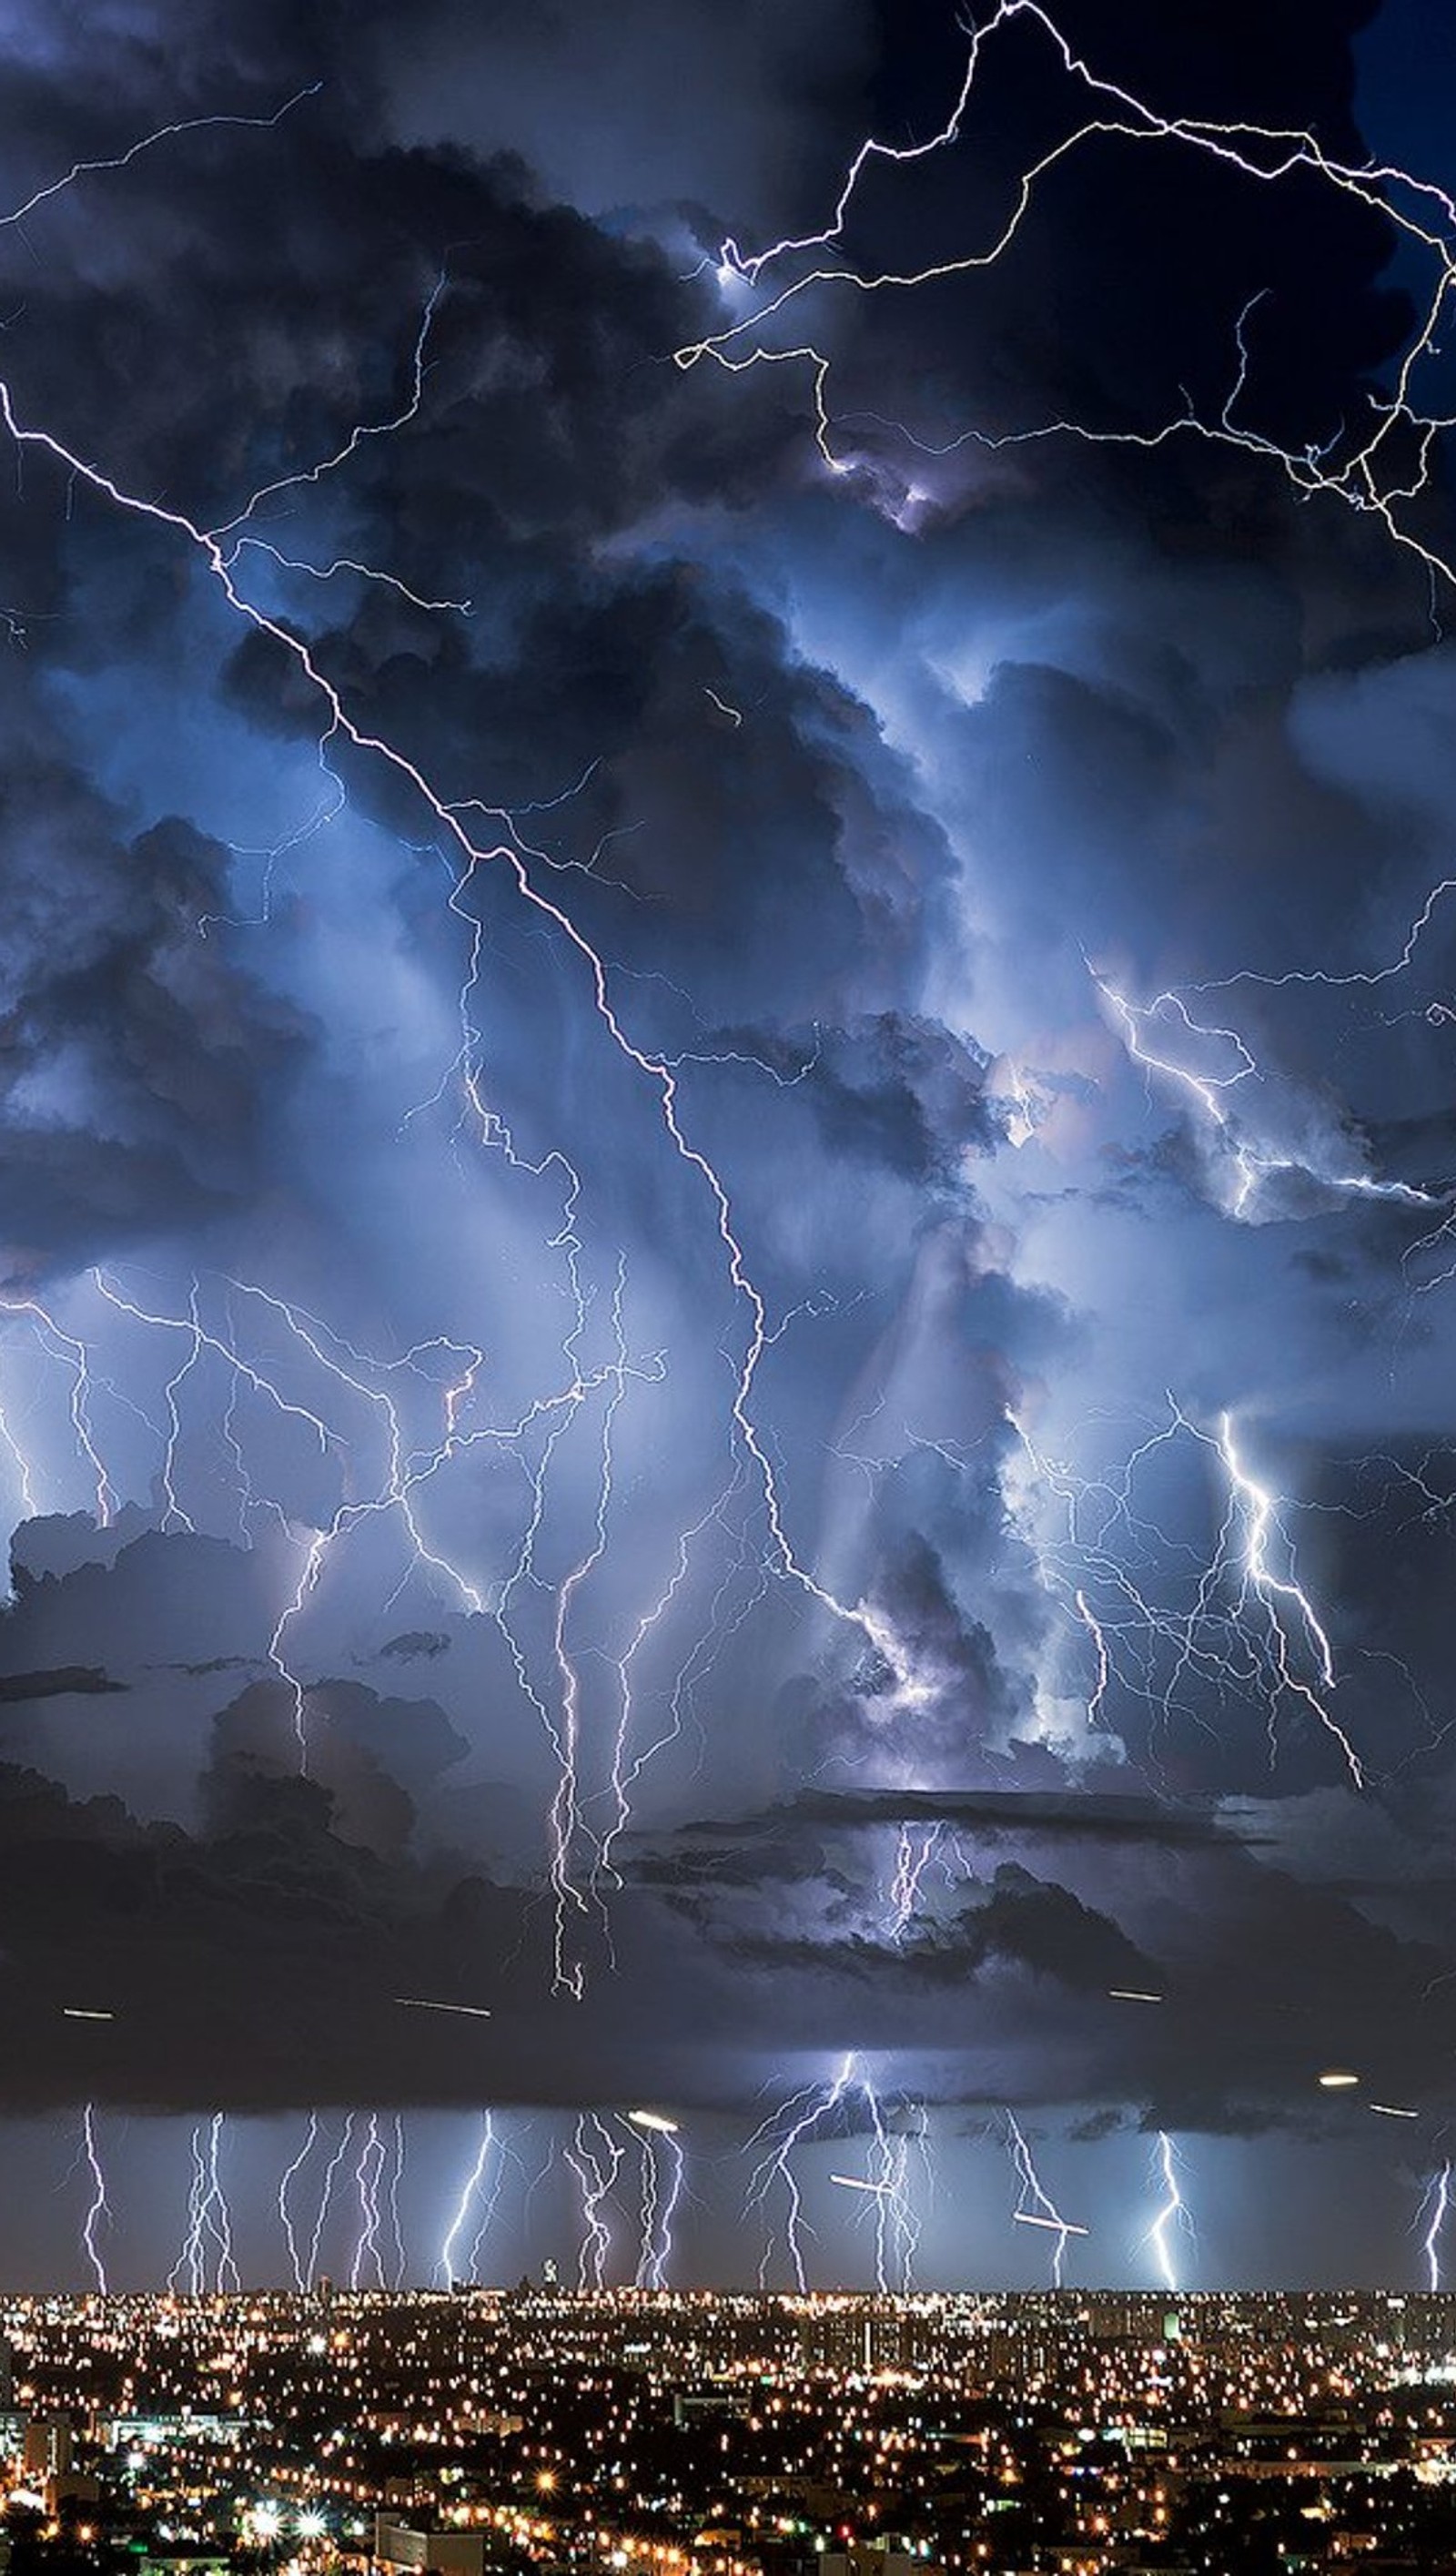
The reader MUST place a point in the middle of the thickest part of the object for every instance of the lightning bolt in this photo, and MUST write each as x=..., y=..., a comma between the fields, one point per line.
x=897, y=2225
x=1435, y=2202
x=100, y=2207
x=914, y=1850
x=1172, y=2213
x=1034, y=2205
x=596, y=2159
x=1366, y=465
x=77, y=1358
x=779, y=2134
x=795, y=2123
x=301, y=2277
x=326, y=2192
x=400, y=2263
x=209, y=2221
x=659, y=2148
x=470, y=2191
x=368, y=2176
x=1248, y=1625
x=1253, y=1165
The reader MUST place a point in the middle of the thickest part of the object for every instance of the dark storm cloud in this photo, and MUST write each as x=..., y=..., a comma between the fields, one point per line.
x=1091, y=1815
x=86, y=1679
x=413, y=1643
x=764, y=101
x=140, y=1067
x=1020, y=1922
x=1093, y=314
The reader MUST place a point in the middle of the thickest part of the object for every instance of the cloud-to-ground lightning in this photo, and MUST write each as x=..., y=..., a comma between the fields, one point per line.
x=285, y=2214
x=325, y=2198
x=448, y=2266
x=778, y=2135
x=1035, y=2206
x=595, y=2157
x=100, y=2208
x=399, y=2265
x=206, y=2259
x=663, y=2173
x=1172, y=2218
x=1432, y=2214
x=368, y=2254
x=820, y=2110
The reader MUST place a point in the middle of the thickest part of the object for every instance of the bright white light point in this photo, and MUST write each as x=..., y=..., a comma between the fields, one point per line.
x=655, y=2121
x=311, y=2524
x=1338, y=2080
x=267, y=2519
x=1058, y=2226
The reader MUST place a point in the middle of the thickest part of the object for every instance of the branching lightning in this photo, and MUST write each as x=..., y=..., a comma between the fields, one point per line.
x=1379, y=466
x=486, y=2152
x=1172, y=2218
x=206, y=2260
x=818, y=2111
x=663, y=2169
x=227, y=550
x=1241, y=1623
x=596, y=2158
x=1034, y=2205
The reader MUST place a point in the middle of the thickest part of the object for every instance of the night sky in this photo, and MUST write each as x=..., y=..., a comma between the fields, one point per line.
x=729, y=1265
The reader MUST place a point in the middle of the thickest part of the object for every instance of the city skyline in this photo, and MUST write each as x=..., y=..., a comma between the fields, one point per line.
x=727, y=1306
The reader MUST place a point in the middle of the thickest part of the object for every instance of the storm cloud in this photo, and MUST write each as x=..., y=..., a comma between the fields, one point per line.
x=725, y=1329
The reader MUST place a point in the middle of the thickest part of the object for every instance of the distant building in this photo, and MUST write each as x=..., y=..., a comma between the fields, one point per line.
x=48, y=2447
x=427, y=2553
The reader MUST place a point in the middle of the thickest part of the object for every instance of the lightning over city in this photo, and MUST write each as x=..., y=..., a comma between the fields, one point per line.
x=728, y=1253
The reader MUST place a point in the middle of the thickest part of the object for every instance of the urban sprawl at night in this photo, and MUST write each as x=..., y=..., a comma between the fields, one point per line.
x=478, y=2430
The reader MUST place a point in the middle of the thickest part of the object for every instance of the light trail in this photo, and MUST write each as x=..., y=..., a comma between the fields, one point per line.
x=427, y=2003
x=795, y=2124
